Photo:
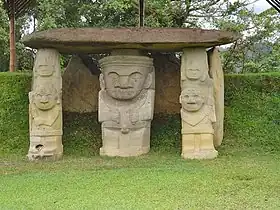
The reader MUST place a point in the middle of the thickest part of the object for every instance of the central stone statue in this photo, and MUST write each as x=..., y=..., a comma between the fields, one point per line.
x=126, y=104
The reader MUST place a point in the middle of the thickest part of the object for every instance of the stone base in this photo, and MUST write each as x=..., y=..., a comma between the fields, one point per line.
x=49, y=148
x=134, y=143
x=202, y=154
x=198, y=146
x=129, y=152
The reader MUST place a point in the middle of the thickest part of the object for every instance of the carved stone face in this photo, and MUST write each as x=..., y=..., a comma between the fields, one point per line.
x=192, y=99
x=194, y=73
x=45, y=98
x=45, y=70
x=125, y=82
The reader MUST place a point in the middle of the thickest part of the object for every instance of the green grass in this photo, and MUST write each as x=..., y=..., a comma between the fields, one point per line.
x=154, y=181
x=244, y=176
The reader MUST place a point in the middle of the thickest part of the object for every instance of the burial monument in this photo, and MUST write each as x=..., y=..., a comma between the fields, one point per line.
x=127, y=87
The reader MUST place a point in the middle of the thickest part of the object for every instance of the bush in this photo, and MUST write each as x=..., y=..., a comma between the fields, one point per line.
x=14, y=88
x=252, y=113
x=252, y=119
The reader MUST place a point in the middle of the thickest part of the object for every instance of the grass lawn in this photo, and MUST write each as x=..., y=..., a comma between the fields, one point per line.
x=154, y=181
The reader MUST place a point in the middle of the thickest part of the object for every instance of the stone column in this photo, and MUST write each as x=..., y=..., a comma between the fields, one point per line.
x=216, y=72
x=45, y=109
x=198, y=110
x=126, y=103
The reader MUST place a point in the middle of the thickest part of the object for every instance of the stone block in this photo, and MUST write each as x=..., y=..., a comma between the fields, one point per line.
x=216, y=72
x=80, y=88
x=101, y=40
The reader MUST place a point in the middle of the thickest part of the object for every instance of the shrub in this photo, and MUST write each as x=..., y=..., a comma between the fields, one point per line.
x=252, y=112
x=14, y=88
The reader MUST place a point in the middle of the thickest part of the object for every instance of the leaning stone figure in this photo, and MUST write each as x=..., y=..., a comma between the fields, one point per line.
x=126, y=104
x=45, y=123
x=198, y=116
x=45, y=108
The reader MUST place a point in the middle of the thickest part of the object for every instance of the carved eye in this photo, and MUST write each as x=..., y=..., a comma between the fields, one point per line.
x=113, y=75
x=135, y=76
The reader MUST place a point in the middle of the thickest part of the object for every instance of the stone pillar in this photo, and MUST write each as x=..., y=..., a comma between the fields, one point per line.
x=216, y=72
x=126, y=103
x=45, y=109
x=198, y=110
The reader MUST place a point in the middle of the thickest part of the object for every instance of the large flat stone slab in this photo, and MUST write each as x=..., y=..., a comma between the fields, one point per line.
x=99, y=40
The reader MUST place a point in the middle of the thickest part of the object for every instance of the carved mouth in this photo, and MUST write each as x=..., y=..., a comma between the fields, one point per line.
x=124, y=88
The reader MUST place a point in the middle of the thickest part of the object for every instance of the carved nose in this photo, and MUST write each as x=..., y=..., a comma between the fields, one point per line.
x=44, y=99
x=191, y=100
x=124, y=82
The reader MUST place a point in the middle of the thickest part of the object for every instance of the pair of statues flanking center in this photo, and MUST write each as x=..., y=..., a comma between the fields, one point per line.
x=126, y=104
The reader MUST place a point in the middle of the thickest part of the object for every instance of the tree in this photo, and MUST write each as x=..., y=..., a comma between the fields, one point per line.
x=4, y=40
x=259, y=30
x=258, y=49
x=24, y=56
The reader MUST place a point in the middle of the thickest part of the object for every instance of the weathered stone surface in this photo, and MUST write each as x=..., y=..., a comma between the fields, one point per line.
x=198, y=110
x=99, y=40
x=80, y=88
x=216, y=72
x=45, y=110
x=167, y=81
x=126, y=104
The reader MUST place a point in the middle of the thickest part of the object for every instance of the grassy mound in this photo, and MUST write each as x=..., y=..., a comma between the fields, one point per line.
x=252, y=113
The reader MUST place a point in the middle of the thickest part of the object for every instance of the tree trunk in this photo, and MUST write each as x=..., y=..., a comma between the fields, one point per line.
x=12, y=37
x=141, y=12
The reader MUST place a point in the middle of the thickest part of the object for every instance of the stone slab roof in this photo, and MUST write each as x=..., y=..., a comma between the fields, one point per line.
x=101, y=40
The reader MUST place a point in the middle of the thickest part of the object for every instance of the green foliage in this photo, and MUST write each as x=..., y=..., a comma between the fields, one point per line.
x=252, y=114
x=252, y=119
x=258, y=50
x=82, y=134
x=14, y=112
x=4, y=40
x=24, y=58
x=166, y=133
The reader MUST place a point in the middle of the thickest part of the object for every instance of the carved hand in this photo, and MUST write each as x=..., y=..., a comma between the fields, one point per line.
x=124, y=129
x=134, y=117
x=116, y=117
x=39, y=121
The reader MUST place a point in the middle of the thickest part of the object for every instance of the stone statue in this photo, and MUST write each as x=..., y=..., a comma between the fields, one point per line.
x=198, y=116
x=194, y=65
x=126, y=104
x=45, y=110
x=198, y=109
